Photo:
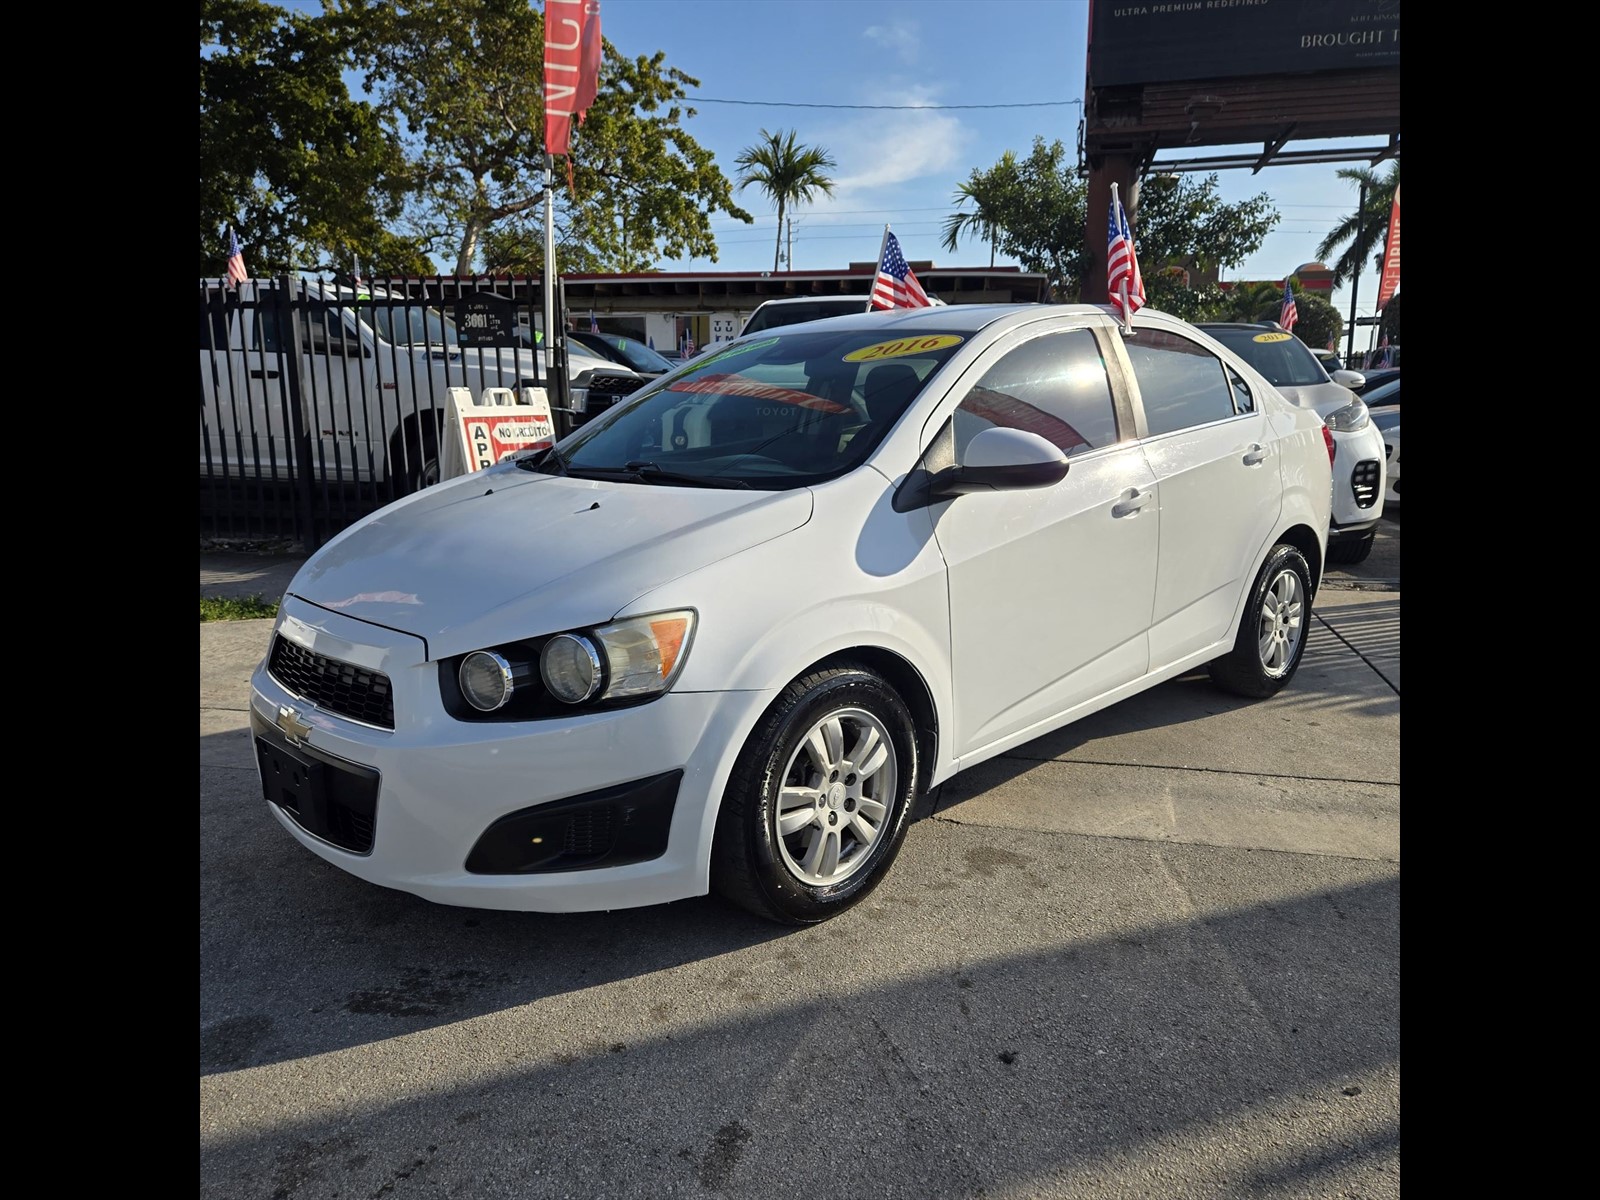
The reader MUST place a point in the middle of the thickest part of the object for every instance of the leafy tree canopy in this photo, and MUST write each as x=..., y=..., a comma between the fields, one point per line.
x=464, y=78
x=305, y=175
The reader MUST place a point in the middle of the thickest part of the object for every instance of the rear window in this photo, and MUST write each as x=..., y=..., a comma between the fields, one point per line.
x=775, y=316
x=1281, y=357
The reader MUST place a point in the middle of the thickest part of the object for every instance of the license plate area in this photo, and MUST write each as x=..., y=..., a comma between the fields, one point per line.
x=329, y=799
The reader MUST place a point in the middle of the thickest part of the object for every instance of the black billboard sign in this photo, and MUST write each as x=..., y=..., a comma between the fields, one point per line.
x=486, y=321
x=1149, y=42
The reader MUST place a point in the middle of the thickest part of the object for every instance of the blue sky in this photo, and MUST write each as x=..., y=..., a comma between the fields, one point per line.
x=902, y=167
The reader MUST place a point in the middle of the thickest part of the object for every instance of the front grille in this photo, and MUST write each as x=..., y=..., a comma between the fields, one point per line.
x=335, y=801
x=338, y=687
x=1364, y=481
x=619, y=385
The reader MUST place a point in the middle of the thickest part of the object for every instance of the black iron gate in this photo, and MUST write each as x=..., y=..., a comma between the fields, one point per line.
x=323, y=402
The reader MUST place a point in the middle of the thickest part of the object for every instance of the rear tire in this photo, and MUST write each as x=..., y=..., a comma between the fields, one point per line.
x=818, y=802
x=1351, y=550
x=1272, y=632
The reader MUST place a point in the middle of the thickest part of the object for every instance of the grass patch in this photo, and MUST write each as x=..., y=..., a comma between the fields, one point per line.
x=236, y=608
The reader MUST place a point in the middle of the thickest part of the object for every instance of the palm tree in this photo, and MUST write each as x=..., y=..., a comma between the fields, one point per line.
x=787, y=172
x=984, y=218
x=1362, y=233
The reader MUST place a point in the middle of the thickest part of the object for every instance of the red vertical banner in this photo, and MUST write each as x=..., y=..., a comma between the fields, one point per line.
x=572, y=51
x=1389, y=281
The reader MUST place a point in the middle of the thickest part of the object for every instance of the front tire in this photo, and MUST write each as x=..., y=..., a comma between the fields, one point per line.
x=1272, y=633
x=818, y=802
x=1351, y=550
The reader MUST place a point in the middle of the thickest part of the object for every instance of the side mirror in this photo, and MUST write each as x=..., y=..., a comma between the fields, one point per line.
x=1350, y=379
x=1001, y=460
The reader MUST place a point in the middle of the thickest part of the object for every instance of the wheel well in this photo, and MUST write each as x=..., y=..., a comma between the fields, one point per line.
x=410, y=427
x=908, y=682
x=1304, y=539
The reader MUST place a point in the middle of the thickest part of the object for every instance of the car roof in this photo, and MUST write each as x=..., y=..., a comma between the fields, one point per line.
x=947, y=318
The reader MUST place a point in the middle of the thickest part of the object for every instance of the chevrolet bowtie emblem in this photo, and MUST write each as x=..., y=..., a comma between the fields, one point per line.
x=293, y=727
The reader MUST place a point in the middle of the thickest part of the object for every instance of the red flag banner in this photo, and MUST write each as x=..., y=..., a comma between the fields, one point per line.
x=1389, y=281
x=571, y=67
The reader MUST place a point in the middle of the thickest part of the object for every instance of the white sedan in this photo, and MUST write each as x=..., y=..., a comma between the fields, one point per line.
x=723, y=636
x=1384, y=403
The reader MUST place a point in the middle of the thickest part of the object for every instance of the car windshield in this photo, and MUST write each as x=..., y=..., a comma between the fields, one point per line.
x=635, y=353
x=410, y=325
x=1280, y=357
x=1389, y=393
x=775, y=412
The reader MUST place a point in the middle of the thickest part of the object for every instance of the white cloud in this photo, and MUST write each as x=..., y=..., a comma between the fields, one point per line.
x=883, y=148
x=903, y=37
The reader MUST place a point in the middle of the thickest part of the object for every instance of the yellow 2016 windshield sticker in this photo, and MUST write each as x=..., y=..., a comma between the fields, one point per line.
x=900, y=347
x=1272, y=337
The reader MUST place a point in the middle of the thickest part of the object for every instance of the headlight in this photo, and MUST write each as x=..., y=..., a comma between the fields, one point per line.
x=571, y=668
x=1349, y=419
x=580, y=398
x=644, y=654
x=488, y=680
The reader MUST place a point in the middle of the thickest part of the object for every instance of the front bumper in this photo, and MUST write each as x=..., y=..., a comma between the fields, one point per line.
x=1358, y=481
x=442, y=783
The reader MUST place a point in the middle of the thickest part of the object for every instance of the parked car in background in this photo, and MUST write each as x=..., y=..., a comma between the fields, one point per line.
x=1012, y=517
x=630, y=352
x=1329, y=359
x=1358, y=468
x=1372, y=380
x=792, y=310
x=1387, y=421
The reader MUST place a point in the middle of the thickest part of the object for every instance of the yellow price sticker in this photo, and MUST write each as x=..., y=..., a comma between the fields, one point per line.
x=1272, y=337
x=901, y=347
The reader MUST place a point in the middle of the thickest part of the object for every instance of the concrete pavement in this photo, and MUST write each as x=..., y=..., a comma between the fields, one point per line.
x=1153, y=954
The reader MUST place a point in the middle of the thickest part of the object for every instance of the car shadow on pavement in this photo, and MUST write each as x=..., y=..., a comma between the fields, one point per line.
x=1248, y=1046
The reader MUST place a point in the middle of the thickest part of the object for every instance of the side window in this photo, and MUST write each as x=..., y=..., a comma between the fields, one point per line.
x=323, y=333
x=1054, y=386
x=1243, y=401
x=1182, y=383
x=266, y=327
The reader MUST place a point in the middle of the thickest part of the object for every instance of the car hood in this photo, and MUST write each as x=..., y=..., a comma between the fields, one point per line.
x=1321, y=398
x=505, y=554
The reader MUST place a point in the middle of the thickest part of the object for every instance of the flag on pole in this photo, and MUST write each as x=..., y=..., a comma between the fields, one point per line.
x=1389, y=281
x=1123, y=282
x=1289, y=314
x=594, y=326
x=236, y=272
x=572, y=53
x=896, y=285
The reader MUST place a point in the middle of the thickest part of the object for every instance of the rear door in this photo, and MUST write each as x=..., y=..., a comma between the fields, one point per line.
x=1218, y=472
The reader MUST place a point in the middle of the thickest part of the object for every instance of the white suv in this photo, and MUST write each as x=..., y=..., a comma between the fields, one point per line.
x=373, y=385
x=1358, y=465
x=792, y=310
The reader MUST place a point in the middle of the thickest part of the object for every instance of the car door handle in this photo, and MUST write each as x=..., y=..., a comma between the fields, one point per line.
x=1131, y=502
x=260, y=374
x=1255, y=454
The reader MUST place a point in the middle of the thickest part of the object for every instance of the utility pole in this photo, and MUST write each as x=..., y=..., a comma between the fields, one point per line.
x=788, y=254
x=1355, y=278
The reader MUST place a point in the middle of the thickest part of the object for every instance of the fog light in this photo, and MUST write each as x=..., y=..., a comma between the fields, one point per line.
x=571, y=668
x=486, y=680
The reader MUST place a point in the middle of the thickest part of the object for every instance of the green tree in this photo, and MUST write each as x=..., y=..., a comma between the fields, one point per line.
x=1183, y=221
x=985, y=192
x=464, y=79
x=790, y=174
x=1317, y=322
x=1362, y=234
x=1389, y=325
x=306, y=176
x=1037, y=208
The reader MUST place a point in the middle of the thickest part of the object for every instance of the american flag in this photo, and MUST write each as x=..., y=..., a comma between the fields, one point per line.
x=594, y=326
x=896, y=285
x=1121, y=265
x=236, y=272
x=1290, y=314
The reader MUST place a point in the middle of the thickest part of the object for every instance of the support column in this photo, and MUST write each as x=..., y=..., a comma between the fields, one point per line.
x=1120, y=169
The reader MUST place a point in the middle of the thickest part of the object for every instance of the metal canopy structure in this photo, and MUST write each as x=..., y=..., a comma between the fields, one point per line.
x=1166, y=80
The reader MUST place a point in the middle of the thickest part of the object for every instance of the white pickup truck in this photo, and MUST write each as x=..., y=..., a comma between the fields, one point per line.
x=372, y=386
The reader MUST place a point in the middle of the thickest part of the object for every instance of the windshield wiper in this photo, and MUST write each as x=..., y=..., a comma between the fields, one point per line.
x=538, y=462
x=649, y=472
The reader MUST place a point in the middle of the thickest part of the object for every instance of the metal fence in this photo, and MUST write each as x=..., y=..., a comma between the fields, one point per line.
x=322, y=402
